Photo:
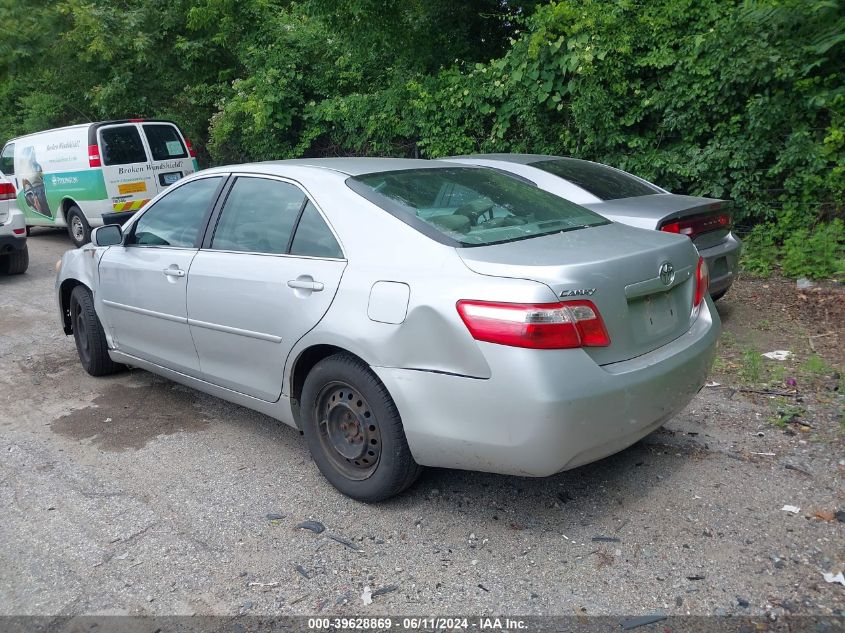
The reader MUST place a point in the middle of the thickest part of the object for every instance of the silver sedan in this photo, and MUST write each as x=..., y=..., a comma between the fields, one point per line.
x=400, y=313
x=623, y=197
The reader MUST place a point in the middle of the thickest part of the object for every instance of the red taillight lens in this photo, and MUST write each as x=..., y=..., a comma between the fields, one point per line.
x=191, y=151
x=702, y=281
x=94, y=156
x=7, y=191
x=535, y=325
x=696, y=225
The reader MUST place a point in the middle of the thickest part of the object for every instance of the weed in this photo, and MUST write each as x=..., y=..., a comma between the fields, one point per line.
x=816, y=366
x=751, y=369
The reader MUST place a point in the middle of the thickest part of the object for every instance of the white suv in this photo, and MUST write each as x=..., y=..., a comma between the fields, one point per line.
x=14, y=256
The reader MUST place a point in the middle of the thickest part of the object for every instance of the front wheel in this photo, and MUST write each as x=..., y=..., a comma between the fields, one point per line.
x=89, y=335
x=77, y=226
x=354, y=431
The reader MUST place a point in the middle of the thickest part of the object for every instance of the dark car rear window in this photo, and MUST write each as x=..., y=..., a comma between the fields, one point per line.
x=603, y=182
x=471, y=206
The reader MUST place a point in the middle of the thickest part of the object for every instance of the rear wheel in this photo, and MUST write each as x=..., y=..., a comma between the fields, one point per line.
x=77, y=226
x=89, y=335
x=354, y=431
x=16, y=262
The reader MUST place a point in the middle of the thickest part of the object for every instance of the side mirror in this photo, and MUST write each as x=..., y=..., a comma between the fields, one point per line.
x=107, y=235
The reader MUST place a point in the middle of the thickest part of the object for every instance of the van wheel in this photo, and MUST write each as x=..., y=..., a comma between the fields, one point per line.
x=77, y=226
x=28, y=230
x=354, y=431
x=88, y=334
x=16, y=262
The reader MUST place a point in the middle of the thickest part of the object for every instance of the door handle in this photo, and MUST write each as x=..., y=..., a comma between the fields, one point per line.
x=302, y=284
x=174, y=272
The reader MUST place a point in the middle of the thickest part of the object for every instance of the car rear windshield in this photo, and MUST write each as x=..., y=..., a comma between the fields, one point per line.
x=164, y=141
x=471, y=206
x=603, y=182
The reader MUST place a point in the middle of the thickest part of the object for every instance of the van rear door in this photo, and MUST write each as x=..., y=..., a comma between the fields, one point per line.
x=130, y=181
x=169, y=152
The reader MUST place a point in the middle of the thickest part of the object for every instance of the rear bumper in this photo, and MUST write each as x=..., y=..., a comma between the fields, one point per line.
x=723, y=263
x=546, y=411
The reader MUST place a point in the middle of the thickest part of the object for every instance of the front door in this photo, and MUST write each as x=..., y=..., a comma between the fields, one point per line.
x=268, y=276
x=143, y=283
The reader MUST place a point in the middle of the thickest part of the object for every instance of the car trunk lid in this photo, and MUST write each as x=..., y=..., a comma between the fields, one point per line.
x=707, y=221
x=614, y=266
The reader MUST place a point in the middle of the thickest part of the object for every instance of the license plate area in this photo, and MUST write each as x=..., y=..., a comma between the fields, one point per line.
x=659, y=313
x=169, y=178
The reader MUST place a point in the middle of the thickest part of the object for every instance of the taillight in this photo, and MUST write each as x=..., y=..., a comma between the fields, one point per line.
x=191, y=151
x=535, y=325
x=94, y=156
x=7, y=191
x=697, y=225
x=702, y=281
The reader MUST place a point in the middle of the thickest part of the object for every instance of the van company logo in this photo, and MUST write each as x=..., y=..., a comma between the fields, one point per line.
x=667, y=273
x=63, y=180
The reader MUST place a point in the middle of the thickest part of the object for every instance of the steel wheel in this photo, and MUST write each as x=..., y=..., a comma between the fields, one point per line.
x=77, y=229
x=348, y=430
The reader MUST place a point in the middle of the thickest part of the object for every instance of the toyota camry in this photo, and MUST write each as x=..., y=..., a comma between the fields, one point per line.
x=400, y=314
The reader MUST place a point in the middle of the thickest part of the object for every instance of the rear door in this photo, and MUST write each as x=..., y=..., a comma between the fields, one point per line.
x=263, y=279
x=130, y=181
x=143, y=283
x=170, y=157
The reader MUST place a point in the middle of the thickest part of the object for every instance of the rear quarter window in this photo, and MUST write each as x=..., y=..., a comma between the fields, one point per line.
x=603, y=182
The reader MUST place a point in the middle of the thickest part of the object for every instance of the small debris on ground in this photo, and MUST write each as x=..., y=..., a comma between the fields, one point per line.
x=314, y=526
x=275, y=516
x=778, y=354
x=383, y=590
x=303, y=572
x=830, y=577
x=696, y=577
x=791, y=509
x=367, y=595
x=605, y=539
x=343, y=541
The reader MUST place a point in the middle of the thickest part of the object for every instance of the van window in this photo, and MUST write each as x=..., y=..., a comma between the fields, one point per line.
x=122, y=145
x=164, y=142
x=7, y=160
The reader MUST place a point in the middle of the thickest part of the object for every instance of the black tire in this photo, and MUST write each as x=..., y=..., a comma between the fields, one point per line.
x=16, y=262
x=385, y=466
x=718, y=295
x=77, y=226
x=28, y=230
x=88, y=334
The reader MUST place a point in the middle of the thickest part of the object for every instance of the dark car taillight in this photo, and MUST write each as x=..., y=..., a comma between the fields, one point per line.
x=535, y=325
x=702, y=281
x=696, y=225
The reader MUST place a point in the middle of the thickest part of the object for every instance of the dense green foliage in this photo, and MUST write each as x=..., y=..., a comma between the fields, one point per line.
x=738, y=100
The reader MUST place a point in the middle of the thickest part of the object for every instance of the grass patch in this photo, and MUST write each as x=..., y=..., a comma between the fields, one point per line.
x=751, y=367
x=816, y=366
x=786, y=413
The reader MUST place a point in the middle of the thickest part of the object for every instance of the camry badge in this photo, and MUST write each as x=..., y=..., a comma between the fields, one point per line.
x=667, y=273
x=580, y=292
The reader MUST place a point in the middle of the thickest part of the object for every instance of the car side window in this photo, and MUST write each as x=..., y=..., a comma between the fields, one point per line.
x=122, y=145
x=7, y=160
x=313, y=237
x=178, y=217
x=258, y=216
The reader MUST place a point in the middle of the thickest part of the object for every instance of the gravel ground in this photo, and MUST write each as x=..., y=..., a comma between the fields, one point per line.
x=133, y=495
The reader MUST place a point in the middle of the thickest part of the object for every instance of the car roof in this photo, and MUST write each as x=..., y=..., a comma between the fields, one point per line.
x=522, y=159
x=350, y=166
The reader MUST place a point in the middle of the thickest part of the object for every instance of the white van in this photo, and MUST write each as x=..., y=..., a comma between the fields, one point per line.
x=78, y=175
